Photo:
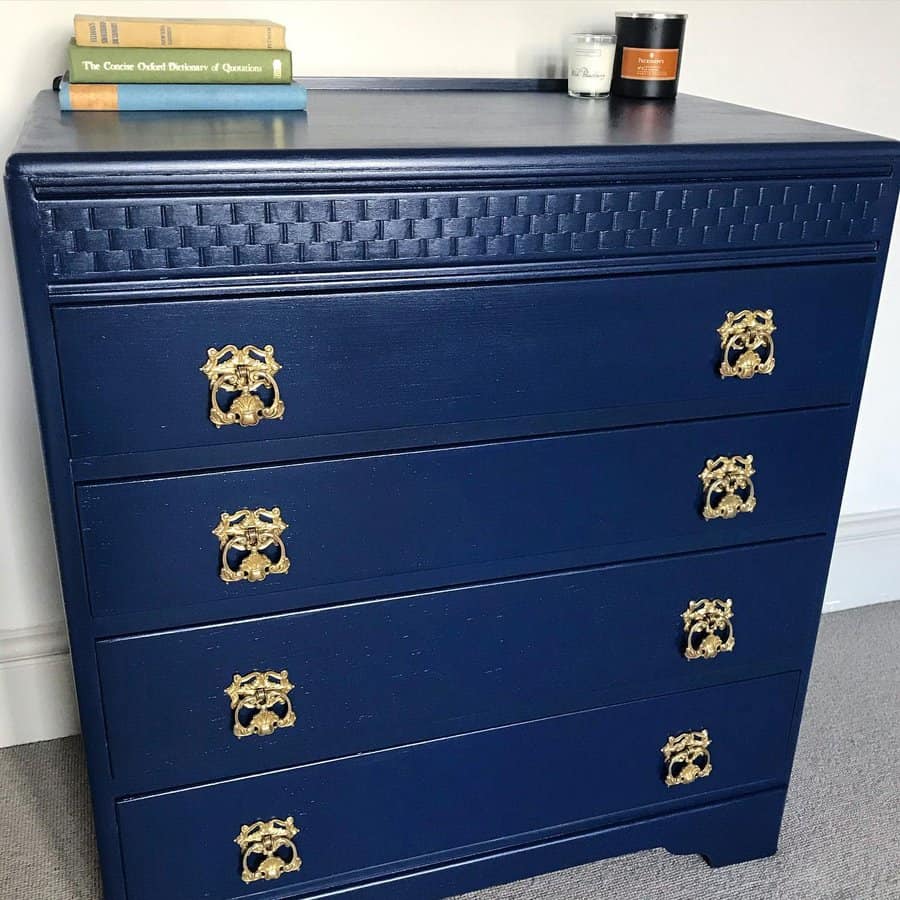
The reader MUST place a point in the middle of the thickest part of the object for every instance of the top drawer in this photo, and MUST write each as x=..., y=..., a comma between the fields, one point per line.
x=482, y=361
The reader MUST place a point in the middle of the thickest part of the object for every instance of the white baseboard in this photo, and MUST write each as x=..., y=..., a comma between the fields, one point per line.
x=37, y=697
x=865, y=567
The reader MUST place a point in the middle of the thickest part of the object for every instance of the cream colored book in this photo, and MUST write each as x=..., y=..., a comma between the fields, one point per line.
x=200, y=34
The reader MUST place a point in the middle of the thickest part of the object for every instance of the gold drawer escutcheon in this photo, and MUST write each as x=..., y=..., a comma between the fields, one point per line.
x=264, y=697
x=709, y=629
x=728, y=487
x=250, y=532
x=748, y=347
x=243, y=371
x=687, y=757
x=268, y=850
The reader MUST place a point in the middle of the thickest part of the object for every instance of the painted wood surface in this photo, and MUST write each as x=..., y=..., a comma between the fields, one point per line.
x=86, y=240
x=390, y=123
x=374, y=362
x=380, y=674
x=376, y=514
x=712, y=827
x=365, y=816
x=456, y=515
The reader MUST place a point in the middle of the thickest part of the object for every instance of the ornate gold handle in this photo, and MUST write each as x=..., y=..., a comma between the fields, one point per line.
x=748, y=347
x=268, y=850
x=687, y=757
x=251, y=545
x=728, y=487
x=260, y=703
x=236, y=376
x=709, y=629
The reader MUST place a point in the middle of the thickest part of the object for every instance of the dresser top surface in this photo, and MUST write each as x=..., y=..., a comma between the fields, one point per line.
x=385, y=123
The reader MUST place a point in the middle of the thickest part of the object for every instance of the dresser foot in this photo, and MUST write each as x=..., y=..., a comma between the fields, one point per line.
x=744, y=849
x=736, y=833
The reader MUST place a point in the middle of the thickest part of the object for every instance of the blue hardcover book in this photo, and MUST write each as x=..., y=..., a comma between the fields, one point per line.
x=180, y=96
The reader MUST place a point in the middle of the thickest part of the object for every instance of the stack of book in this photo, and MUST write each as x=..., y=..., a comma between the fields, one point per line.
x=147, y=63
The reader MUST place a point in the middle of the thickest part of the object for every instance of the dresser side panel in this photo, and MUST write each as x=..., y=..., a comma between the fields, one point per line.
x=45, y=371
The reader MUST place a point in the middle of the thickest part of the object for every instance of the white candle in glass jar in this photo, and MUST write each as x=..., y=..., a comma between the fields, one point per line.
x=591, y=59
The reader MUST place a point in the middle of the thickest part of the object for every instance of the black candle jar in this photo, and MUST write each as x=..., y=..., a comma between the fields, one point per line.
x=648, y=54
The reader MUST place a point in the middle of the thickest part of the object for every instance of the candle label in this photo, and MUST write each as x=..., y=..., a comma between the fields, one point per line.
x=649, y=64
x=590, y=69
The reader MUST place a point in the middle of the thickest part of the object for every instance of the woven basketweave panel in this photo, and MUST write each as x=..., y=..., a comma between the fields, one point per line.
x=82, y=239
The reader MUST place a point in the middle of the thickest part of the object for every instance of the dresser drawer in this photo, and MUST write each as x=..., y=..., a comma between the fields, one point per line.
x=368, y=815
x=379, y=674
x=368, y=526
x=532, y=358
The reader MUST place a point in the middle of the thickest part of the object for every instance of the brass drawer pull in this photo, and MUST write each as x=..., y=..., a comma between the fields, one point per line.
x=709, y=629
x=268, y=850
x=748, y=347
x=260, y=703
x=242, y=371
x=251, y=532
x=728, y=487
x=687, y=757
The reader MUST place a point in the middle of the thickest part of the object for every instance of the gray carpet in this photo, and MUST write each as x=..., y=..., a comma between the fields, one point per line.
x=841, y=836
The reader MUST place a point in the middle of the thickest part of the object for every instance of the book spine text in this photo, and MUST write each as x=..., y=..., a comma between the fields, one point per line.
x=113, y=65
x=214, y=34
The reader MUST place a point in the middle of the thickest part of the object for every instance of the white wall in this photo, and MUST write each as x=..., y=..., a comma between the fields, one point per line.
x=832, y=61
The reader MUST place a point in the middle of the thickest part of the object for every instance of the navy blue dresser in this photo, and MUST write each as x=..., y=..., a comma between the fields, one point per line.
x=444, y=481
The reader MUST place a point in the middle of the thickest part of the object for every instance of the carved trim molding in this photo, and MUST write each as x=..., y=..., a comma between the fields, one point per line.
x=84, y=239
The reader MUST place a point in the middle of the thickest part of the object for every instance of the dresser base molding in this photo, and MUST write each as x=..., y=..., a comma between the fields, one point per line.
x=724, y=834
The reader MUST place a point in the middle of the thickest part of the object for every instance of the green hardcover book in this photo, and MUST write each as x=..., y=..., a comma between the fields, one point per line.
x=135, y=65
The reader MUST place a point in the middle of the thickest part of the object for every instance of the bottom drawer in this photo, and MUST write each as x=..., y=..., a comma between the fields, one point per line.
x=363, y=816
